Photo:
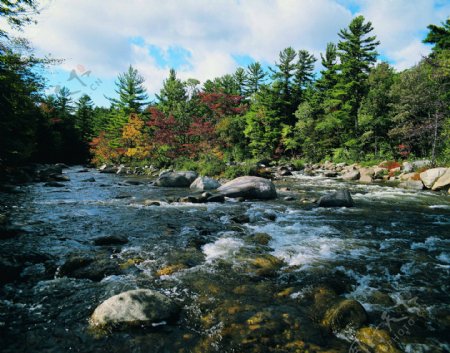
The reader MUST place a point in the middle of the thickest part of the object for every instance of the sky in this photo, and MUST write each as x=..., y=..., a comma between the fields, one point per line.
x=204, y=39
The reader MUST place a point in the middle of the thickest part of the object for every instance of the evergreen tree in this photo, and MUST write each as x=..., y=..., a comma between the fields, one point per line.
x=304, y=75
x=357, y=54
x=240, y=78
x=255, y=78
x=439, y=36
x=84, y=117
x=132, y=93
x=172, y=95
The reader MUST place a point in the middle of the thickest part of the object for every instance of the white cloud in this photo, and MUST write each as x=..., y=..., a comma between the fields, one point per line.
x=97, y=34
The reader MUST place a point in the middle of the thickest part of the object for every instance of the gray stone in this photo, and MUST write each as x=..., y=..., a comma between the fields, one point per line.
x=351, y=175
x=134, y=308
x=176, y=179
x=108, y=169
x=205, y=183
x=249, y=187
x=340, y=198
x=411, y=185
x=429, y=176
x=407, y=167
x=421, y=164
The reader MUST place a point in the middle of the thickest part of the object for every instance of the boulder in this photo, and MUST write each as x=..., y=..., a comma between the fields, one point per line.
x=86, y=266
x=411, y=184
x=108, y=169
x=366, y=175
x=372, y=339
x=344, y=314
x=176, y=179
x=351, y=175
x=407, y=167
x=379, y=172
x=443, y=181
x=330, y=174
x=429, y=176
x=111, y=240
x=205, y=183
x=249, y=187
x=134, y=308
x=409, y=176
x=340, y=198
x=421, y=164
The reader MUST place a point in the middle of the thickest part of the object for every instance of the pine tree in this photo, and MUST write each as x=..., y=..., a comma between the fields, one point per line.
x=304, y=75
x=132, y=93
x=255, y=78
x=84, y=117
x=172, y=95
x=240, y=78
x=439, y=36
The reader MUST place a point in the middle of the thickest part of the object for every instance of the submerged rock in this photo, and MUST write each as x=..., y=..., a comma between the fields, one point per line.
x=371, y=339
x=249, y=187
x=205, y=183
x=93, y=268
x=343, y=314
x=134, y=308
x=54, y=184
x=340, y=198
x=176, y=179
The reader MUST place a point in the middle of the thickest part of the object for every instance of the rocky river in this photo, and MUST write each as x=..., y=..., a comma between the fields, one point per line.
x=254, y=276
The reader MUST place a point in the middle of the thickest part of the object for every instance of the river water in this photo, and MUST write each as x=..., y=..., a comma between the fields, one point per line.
x=391, y=252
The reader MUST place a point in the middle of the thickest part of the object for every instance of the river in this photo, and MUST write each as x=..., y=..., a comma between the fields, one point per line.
x=391, y=252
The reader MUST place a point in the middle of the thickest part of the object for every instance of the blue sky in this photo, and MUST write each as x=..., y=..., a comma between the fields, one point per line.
x=208, y=38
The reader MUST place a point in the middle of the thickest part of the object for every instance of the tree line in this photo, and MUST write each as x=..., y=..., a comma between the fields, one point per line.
x=357, y=109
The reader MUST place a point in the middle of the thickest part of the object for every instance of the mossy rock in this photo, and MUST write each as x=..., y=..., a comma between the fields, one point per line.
x=345, y=313
x=371, y=339
x=170, y=269
x=266, y=265
x=261, y=238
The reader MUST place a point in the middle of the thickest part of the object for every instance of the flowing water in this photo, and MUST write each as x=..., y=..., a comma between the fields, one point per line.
x=237, y=292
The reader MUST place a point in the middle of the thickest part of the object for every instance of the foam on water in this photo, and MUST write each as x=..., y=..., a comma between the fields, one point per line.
x=222, y=248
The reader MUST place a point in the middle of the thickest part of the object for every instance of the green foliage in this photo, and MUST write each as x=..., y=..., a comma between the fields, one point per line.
x=242, y=169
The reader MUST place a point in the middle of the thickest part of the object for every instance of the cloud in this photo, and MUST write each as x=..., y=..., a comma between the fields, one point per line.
x=209, y=35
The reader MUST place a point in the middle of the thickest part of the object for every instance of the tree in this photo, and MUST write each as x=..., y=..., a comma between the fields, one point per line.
x=84, y=117
x=17, y=13
x=240, y=79
x=374, y=113
x=132, y=93
x=255, y=78
x=357, y=54
x=172, y=94
x=304, y=75
x=439, y=36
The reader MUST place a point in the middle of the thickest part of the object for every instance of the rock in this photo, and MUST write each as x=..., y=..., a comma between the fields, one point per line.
x=366, y=175
x=176, y=179
x=421, y=164
x=205, y=183
x=261, y=238
x=134, y=308
x=242, y=218
x=407, y=167
x=345, y=313
x=443, y=181
x=410, y=176
x=89, y=180
x=249, y=187
x=54, y=184
x=330, y=174
x=83, y=266
x=3, y=219
x=351, y=175
x=379, y=172
x=429, y=176
x=85, y=170
x=371, y=339
x=289, y=198
x=111, y=240
x=190, y=199
x=411, y=185
x=266, y=265
x=133, y=182
x=340, y=198
x=216, y=198
x=10, y=270
x=108, y=169
x=152, y=203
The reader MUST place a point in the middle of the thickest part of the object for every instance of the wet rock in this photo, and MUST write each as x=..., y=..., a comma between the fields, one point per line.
x=242, y=218
x=261, y=238
x=366, y=175
x=93, y=268
x=443, y=181
x=191, y=199
x=205, y=183
x=351, y=175
x=330, y=174
x=340, y=198
x=134, y=308
x=133, y=182
x=371, y=339
x=111, y=240
x=176, y=179
x=216, y=198
x=249, y=187
x=54, y=184
x=170, y=269
x=343, y=314
x=411, y=185
x=429, y=176
x=123, y=196
x=266, y=265
x=10, y=270
x=108, y=169
x=289, y=198
x=152, y=203
x=84, y=170
x=89, y=180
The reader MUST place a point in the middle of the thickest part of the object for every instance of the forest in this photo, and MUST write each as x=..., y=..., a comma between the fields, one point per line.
x=356, y=109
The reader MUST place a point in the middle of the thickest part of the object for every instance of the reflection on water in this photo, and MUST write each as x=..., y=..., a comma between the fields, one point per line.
x=242, y=286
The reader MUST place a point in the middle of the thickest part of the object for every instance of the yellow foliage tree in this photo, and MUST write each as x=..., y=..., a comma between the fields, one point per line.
x=134, y=138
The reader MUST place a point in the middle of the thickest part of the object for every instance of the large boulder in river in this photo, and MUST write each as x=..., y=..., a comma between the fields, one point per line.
x=205, y=183
x=443, y=181
x=351, y=175
x=429, y=176
x=176, y=179
x=340, y=198
x=411, y=184
x=249, y=187
x=134, y=308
